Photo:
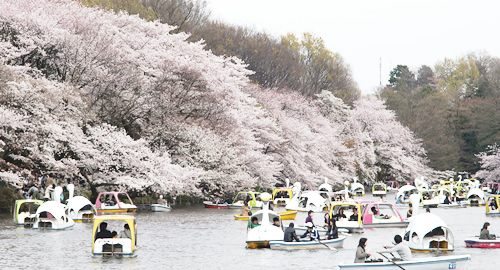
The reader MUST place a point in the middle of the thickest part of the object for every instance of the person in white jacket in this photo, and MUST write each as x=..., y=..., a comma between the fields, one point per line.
x=401, y=248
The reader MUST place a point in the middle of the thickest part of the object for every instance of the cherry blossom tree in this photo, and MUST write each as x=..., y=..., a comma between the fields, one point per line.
x=490, y=163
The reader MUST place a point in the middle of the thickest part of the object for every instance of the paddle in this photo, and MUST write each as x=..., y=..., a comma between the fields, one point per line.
x=329, y=247
x=392, y=261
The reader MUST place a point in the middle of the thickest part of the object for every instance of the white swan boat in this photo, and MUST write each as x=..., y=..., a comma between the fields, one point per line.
x=476, y=197
x=25, y=211
x=318, y=201
x=260, y=236
x=457, y=262
x=51, y=215
x=160, y=208
x=80, y=209
x=428, y=233
x=322, y=244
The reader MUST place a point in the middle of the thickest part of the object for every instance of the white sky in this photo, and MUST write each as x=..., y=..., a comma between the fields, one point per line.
x=405, y=32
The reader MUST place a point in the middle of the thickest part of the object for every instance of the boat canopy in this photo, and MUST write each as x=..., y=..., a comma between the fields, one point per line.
x=477, y=192
x=56, y=209
x=77, y=203
x=282, y=193
x=423, y=223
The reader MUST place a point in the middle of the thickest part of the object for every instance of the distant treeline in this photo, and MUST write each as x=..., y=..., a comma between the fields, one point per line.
x=454, y=107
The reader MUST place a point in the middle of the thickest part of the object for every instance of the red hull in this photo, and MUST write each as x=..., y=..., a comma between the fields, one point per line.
x=474, y=244
x=216, y=206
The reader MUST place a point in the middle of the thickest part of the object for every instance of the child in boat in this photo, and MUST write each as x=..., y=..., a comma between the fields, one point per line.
x=401, y=248
x=311, y=232
x=485, y=233
x=309, y=217
x=290, y=234
x=255, y=223
x=333, y=230
x=361, y=254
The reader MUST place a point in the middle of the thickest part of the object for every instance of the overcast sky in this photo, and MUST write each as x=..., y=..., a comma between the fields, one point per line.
x=411, y=33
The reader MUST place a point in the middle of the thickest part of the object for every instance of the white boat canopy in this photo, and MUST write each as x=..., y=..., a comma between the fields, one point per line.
x=56, y=209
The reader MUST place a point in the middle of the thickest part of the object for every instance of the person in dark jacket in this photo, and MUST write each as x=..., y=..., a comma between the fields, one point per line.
x=311, y=232
x=309, y=217
x=333, y=230
x=354, y=216
x=340, y=215
x=103, y=232
x=290, y=234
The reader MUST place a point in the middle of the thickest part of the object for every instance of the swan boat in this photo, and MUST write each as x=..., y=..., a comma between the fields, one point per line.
x=125, y=247
x=476, y=197
x=51, y=215
x=318, y=201
x=386, y=215
x=323, y=244
x=80, y=209
x=457, y=262
x=260, y=236
x=109, y=202
x=428, y=233
x=25, y=211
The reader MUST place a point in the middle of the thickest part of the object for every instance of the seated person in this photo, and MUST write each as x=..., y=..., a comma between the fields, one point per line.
x=493, y=204
x=103, y=232
x=126, y=232
x=276, y=222
x=254, y=223
x=109, y=201
x=290, y=234
x=354, y=216
x=339, y=215
x=162, y=201
x=376, y=215
x=311, y=232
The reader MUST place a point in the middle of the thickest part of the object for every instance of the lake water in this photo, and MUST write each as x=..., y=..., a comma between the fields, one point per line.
x=199, y=238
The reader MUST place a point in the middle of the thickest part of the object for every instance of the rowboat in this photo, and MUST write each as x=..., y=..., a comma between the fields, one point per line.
x=475, y=242
x=322, y=232
x=288, y=215
x=123, y=247
x=51, y=215
x=160, y=208
x=457, y=262
x=259, y=236
x=323, y=244
x=208, y=204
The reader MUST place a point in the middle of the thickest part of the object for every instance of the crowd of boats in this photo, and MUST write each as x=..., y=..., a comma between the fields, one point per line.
x=110, y=208
x=422, y=232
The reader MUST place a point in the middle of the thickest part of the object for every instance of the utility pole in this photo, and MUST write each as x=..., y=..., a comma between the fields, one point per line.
x=380, y=71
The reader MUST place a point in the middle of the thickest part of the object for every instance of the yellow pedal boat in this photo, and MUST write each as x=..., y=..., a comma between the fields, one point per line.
x=285, y=215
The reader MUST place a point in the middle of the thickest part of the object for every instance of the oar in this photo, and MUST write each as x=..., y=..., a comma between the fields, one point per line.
x=392, y=261
x=329, y=247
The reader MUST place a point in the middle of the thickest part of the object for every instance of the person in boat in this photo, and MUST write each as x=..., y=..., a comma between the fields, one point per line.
x=276, y=222
x=103, y=232
x=401, y=248
x=361, y=254
x=376, y=215
x=290, y=234
x=255, y=223
x=246, y=210
x=410, y=212
x=309, y=217
x=109, y=200
x=311, y=232
x=428, y=210
x=333, y=230
x=354, y=216
x=327, y=220
x=126, y=232
x=447, y=199
x=399, y=200
x=162, y=201
x=485, y=233
x=339, y=215
x=493, y=204
x=217, y=200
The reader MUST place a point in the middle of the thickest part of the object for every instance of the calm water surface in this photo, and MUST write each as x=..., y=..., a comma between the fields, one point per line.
x=199, y=238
